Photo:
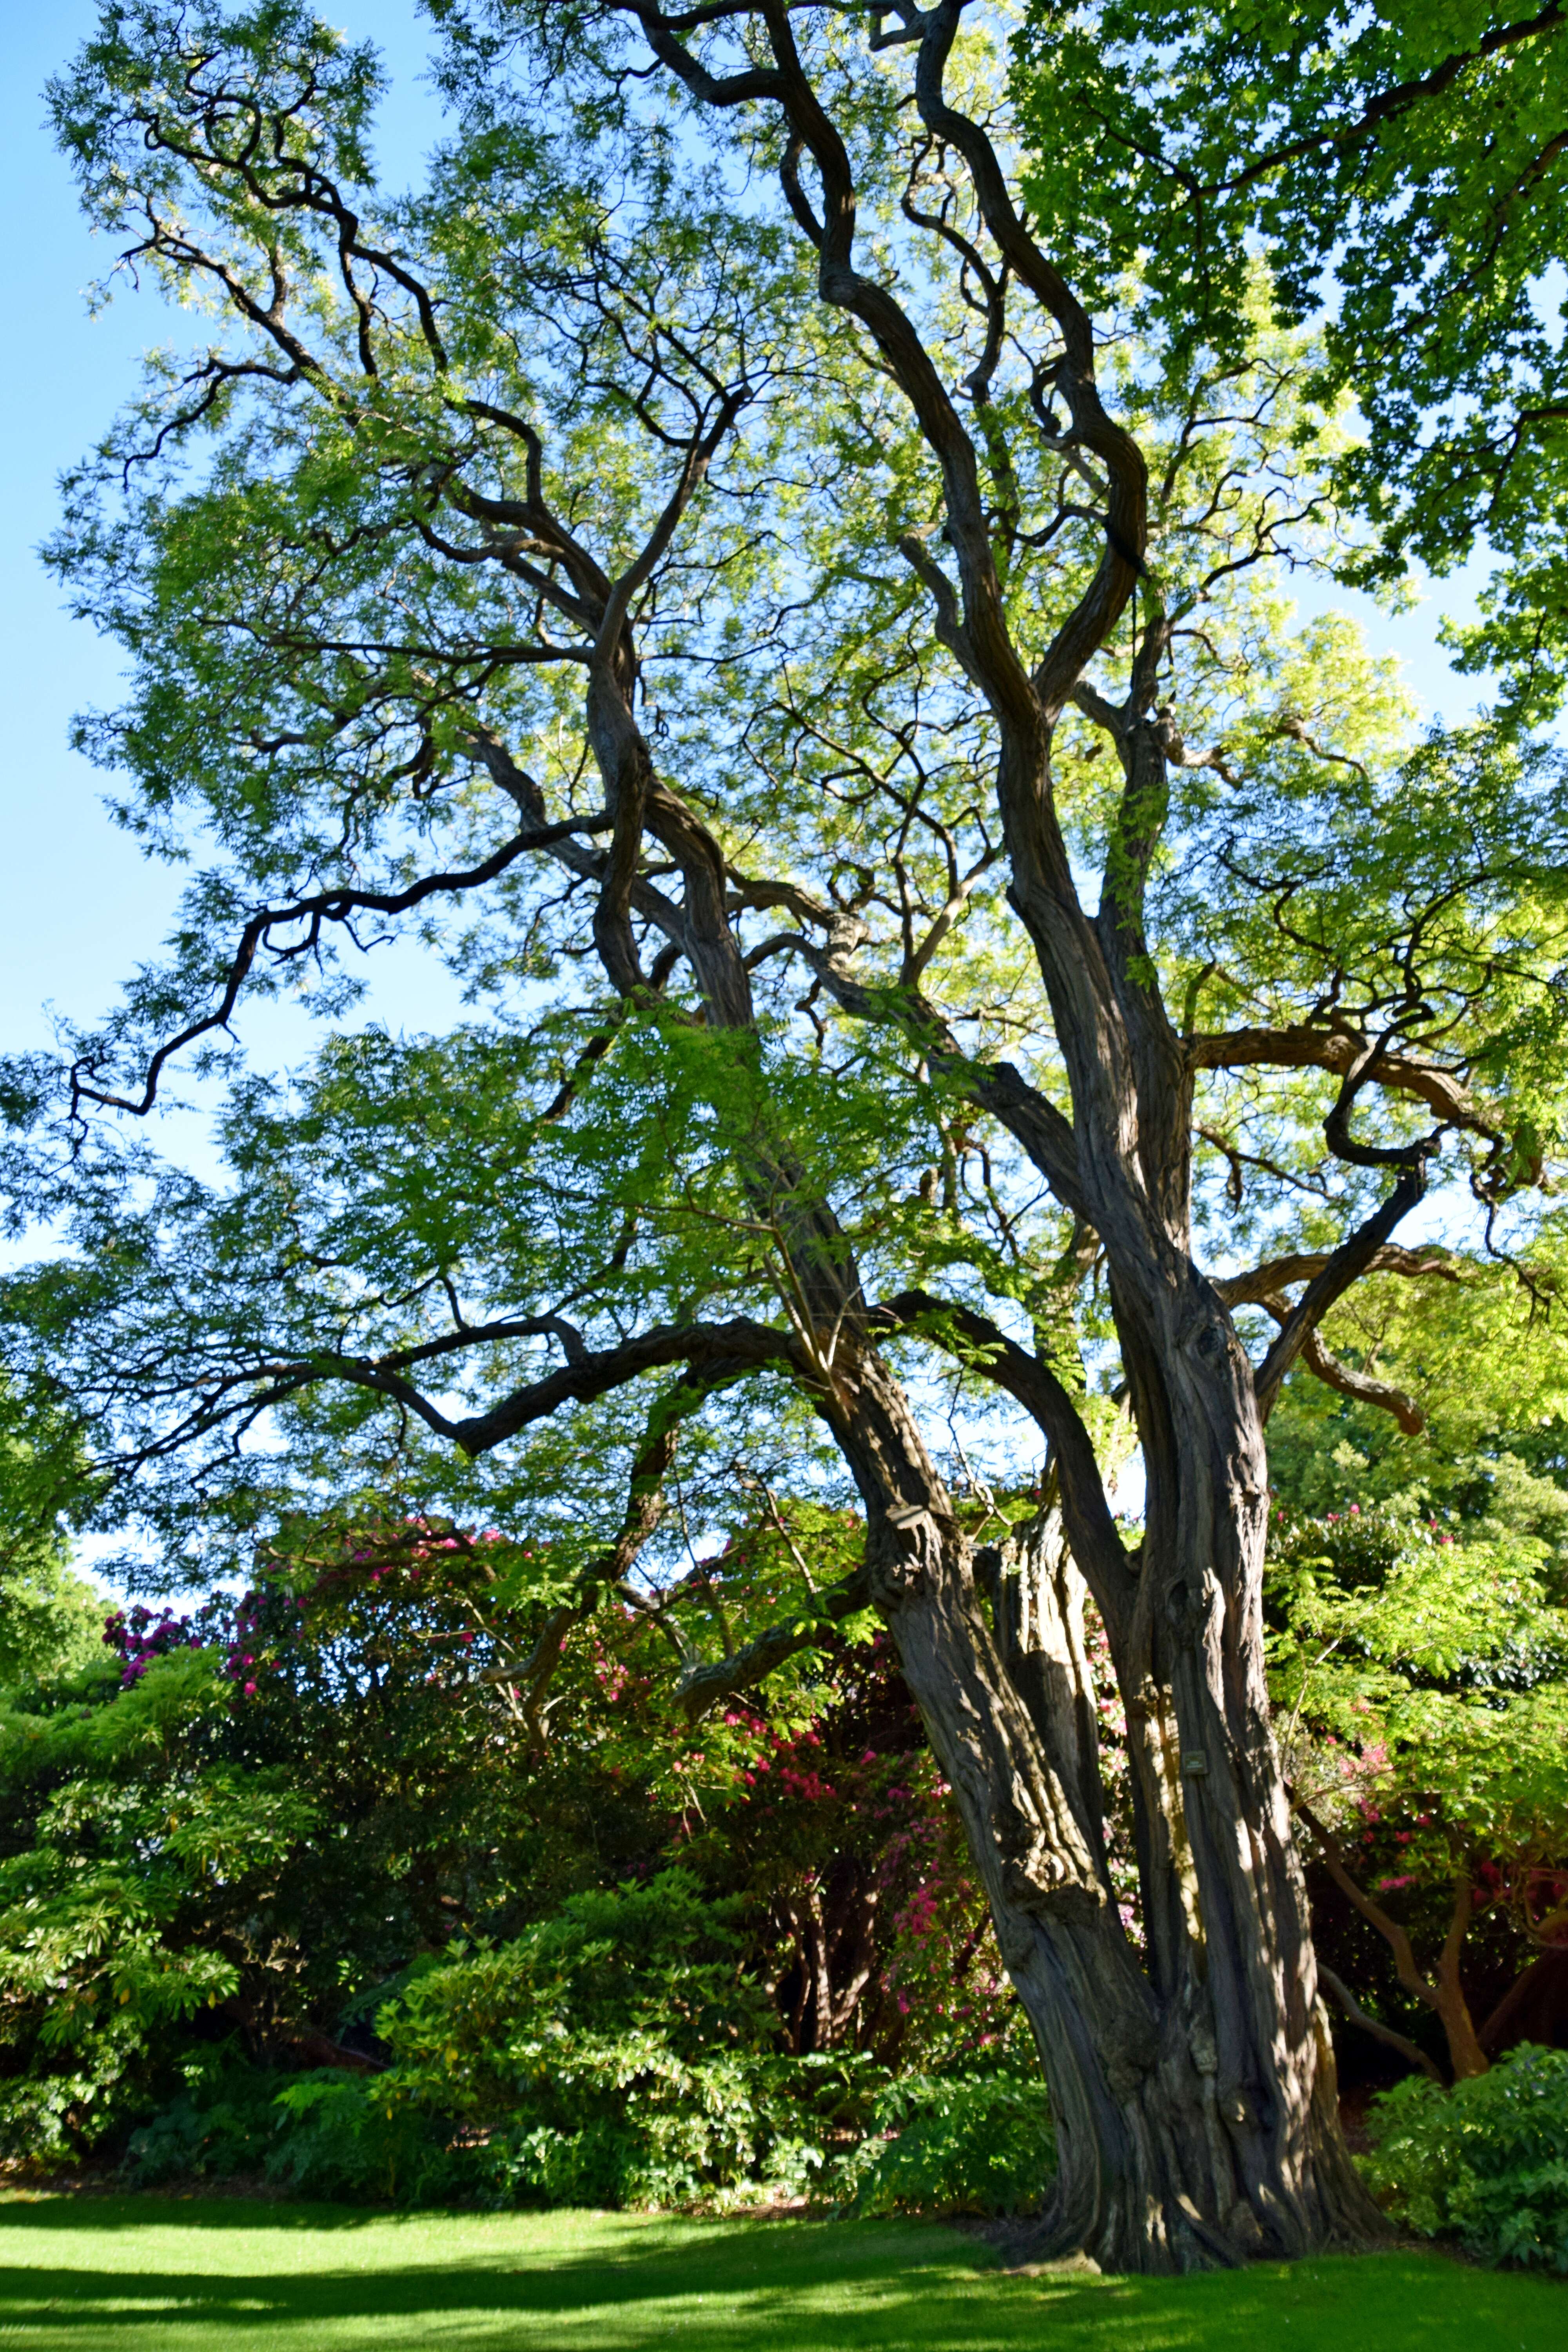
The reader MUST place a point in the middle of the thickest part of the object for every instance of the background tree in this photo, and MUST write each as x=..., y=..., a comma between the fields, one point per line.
x=1431, y=1687
x=48, y=1613
x=791, y=543
x=1404, y=173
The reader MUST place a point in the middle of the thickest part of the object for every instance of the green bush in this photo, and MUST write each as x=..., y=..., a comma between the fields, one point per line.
x=362, y=2137
x=614, y=2054
x=964, y=2144
x=1485, y=2163
x=323, y=2134
x=223, y=2124
x=617, y=2054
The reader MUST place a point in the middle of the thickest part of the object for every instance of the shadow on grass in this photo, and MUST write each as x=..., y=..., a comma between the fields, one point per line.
x=615, y=2285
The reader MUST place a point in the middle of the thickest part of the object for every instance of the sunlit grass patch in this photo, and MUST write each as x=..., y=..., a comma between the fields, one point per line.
x=170, y=2274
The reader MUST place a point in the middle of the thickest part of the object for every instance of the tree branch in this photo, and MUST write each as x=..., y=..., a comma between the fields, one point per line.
x=1346, y=1265
x=1278, y=1274
x=703, y=1685
x=323, y=907
x=1358, y=2016
x=1091, y=1531
x=1301, y=1048
x=1389, y=1928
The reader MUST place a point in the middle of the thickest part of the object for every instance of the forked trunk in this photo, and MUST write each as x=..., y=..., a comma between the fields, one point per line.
x=1192, y=2084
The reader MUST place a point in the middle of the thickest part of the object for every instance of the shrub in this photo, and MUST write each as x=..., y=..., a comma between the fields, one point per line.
x=347, y=2135
x=614, y=2054
x=224, y=2123
x=964, y=2144
x=1485, y=2163
x=617, y=2054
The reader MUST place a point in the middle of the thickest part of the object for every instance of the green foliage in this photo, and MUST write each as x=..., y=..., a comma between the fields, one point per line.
x=1415, y=881
x=614, y=2054
x=252, y=1834
x=951, y=2144
x=1425, y=1678
x=222, y=2127
x=1485, y=2163
x=140, y=1861
x=340, y=2138
x=1401, y=170
x=50, y=1620
x=1485, y=1356
x=325, y=634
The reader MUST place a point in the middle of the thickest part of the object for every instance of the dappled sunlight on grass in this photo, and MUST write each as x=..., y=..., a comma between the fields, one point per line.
x=157, y=2274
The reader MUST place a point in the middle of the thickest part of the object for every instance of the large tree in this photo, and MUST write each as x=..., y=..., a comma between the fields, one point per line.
x=700, y=540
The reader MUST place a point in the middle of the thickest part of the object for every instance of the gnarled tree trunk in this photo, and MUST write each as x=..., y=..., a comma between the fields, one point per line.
x=1195, y=2096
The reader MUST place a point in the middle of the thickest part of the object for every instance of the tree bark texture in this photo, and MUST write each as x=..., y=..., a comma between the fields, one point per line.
x=1192, y=2087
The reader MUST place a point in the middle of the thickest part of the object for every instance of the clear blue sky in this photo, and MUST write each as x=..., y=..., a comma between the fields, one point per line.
x=82, y=905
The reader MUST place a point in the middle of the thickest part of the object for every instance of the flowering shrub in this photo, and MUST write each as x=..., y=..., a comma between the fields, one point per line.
x=139, y=1637
x=1485, y=2163
x=316, y=1777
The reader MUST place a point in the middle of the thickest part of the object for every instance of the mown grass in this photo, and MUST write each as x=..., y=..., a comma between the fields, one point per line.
x=167, y=2274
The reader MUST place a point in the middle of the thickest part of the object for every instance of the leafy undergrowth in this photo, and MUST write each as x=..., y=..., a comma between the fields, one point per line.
x=156, y=2273
x=1486, y=2163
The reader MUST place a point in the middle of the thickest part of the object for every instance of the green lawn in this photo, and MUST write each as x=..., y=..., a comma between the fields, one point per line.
x=163, y=2274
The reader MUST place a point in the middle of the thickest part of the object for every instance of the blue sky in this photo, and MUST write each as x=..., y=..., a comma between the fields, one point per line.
x=82, y=907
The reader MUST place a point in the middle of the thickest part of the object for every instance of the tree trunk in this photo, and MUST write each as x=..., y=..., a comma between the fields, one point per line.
x=1466, y=2054
x=834, y=1957
x=1197, y=2123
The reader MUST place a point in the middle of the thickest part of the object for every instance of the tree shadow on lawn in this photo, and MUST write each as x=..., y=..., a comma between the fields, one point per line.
x=777, y=2286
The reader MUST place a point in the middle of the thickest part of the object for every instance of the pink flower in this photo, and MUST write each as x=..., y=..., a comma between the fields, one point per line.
x=250, y=1690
